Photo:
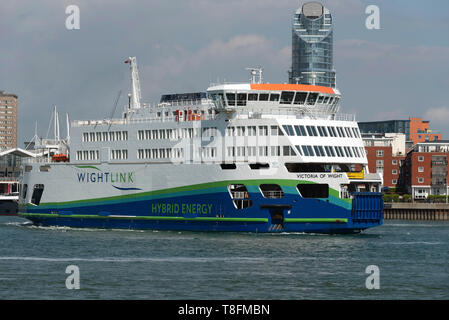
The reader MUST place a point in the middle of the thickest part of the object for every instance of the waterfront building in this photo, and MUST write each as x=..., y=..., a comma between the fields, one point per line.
x=415, y=129
x=386, y=154
x=8, y=120
x=426, y=169
x=312, y=46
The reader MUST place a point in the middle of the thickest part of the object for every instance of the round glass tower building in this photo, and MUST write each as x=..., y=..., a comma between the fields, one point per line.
x=312, y=46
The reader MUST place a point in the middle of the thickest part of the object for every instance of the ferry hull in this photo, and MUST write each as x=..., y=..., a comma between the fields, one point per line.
x=216, y=212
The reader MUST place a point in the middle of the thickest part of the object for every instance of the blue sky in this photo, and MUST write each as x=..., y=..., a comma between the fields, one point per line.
x=399, y=71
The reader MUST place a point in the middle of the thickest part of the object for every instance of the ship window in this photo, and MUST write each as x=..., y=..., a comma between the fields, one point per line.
x=271, y=191
x=299, y=149
x=308, y=167
x=240, y=196
x=44, y=168
x=348, y=152
x=312, y=98
x=263, y=97
x=289, y=130
x=231, y=99
x=322, y=131
x=330, y=151
x=228, y=166
x=300, y=131
x=348, y=132
x=252, y=96
x=274, y=97
x=339, y=151
x=319, y=151
x=326, y=99
x=340, y=132
x=308, y=151
x=25, y=188
x=320, y=99
x=263, y=130
x=300, y=97
x=310, y=190
x=257, y=166
x=312, y=131
x=276, y=131
x=241, y=99
x=287, y=97
x=37, y=194
x=288, y=151
x=331, y=100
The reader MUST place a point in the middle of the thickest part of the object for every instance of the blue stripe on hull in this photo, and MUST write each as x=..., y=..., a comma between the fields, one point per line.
x=210, y=205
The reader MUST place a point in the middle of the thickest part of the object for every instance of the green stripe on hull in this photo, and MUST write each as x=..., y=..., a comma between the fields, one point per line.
x=92, y=216
x=316, y=220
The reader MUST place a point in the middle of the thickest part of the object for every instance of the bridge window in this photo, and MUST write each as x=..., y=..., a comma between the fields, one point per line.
x=312, y=98
x=231, y=99
x=271, y=191
x=263, y=97
x=287, y=97
x=274, y=97
x=312, y=190
x=241, y=99
x=300, y=98
x=252, y=96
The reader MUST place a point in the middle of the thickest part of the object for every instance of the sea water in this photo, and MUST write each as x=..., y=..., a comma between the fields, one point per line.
x=412, y=260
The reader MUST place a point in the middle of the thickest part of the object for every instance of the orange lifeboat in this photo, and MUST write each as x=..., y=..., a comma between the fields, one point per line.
x=60, y=158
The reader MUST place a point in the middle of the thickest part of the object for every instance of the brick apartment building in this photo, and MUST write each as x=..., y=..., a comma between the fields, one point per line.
x=8, y=120
x=426, y=169
x=386, y=154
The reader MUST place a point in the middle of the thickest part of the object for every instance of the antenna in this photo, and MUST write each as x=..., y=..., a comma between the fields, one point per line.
x=254, y=72
x=135, y=83
x=115, y=107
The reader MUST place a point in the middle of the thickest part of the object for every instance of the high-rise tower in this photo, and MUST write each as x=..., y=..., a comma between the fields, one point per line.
x=312, y=46
x=8, y=120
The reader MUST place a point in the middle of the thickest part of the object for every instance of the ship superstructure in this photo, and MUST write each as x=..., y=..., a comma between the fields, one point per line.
x=239, y=157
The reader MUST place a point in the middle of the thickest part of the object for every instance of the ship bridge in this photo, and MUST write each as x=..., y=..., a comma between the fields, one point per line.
x=293, y=97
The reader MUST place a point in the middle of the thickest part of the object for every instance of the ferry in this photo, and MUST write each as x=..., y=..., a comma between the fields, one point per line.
x=241, y=157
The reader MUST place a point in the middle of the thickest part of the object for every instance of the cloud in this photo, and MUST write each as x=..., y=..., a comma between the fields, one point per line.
x=438, y=116
x=218, y=58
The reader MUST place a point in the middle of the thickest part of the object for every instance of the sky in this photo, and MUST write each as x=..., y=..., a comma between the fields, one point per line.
x=398, y=71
